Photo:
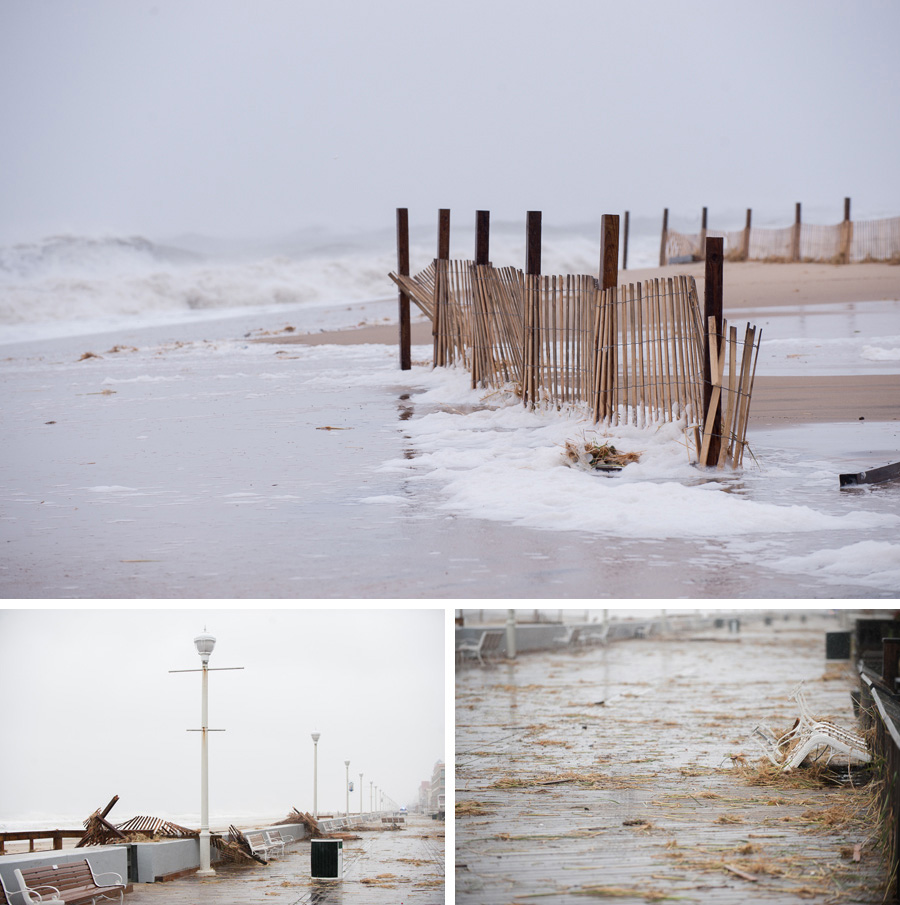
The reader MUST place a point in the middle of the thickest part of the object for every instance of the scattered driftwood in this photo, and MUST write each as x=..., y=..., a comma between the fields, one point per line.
x=98, y=830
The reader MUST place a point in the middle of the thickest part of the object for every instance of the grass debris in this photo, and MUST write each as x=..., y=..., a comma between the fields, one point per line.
x=595, y=455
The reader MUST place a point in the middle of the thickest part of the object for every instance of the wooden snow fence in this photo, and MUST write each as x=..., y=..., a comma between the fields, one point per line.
x=633, y=354
x=840, y=243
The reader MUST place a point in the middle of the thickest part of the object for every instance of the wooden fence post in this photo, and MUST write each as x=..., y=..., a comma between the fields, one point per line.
x=745, y=244
x=846, y=234
x=664, y=239
x=609, y=251
x=703, y=235
x=625, y=245
x=482, y=237
x=440, y=285
x=532, y=333
x=403, y=298
x=795, y=238
x=712, y=307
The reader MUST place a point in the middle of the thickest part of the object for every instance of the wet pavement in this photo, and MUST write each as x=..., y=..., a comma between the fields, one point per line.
x=383, y=867
x=616, y=772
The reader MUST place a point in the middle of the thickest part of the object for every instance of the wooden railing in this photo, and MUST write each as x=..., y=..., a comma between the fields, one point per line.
x=30, y=836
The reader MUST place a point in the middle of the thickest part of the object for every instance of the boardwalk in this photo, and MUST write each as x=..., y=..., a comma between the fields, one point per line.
x=613, y=772
x=381, y=868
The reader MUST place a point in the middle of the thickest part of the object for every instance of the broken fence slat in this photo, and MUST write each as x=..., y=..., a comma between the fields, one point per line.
x=741, y=873
x=872, y=476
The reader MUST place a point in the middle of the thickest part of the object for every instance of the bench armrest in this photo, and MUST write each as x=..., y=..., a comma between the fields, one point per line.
x=110, y=873
x=40, y=898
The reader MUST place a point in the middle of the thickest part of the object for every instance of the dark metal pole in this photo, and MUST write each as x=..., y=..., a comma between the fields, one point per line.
x=403, y=298
x=625, y=245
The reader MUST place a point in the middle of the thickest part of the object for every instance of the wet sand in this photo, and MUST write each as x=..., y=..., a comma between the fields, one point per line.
x=610, y=771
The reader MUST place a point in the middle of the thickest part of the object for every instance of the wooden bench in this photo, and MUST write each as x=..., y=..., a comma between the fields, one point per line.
x=74, y=883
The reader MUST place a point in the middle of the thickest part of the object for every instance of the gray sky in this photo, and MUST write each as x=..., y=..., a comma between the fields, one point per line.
x=90, y=709
x=258, y=117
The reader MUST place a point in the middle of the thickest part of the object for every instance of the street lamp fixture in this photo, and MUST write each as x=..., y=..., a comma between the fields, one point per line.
x=347, y=787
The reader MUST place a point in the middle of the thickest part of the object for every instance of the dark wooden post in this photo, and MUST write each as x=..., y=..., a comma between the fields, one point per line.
x=665, y=236
x=890, y=664
x=745, y=250
x=846, y=234
x=403, y=298
x=533, y=242
x=443, y=248
x=712, y=307
x=795, y=238
x=625, y=244
x=703, y=235
x=533, y=334
x=440, y=288
x=609, y=251
x=482, y=237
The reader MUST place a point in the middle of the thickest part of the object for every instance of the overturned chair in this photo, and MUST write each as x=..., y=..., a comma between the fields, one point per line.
x=809, y=737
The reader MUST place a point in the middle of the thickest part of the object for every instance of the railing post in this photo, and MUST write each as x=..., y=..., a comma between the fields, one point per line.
x=403, y=298
x=664, y=239
x=712, y=307
x=625, y=244
x=795, y=237
x=609, y=251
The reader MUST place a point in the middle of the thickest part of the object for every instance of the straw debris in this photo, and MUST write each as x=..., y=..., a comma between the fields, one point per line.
x=598, y=456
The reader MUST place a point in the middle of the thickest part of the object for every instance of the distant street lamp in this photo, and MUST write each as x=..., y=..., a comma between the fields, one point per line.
x=360, y=796
x=371, y=807
x=347, y=787
x=315, y=738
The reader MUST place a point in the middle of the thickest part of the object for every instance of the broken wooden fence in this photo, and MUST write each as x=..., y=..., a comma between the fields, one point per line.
x=632, y=354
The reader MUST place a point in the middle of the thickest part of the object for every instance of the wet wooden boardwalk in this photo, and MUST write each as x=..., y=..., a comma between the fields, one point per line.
x=381, y=868
x=613, y=773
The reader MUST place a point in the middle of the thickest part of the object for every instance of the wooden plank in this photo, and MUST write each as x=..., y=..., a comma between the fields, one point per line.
x=712, y=308
x=871, y=476
x=609, y=250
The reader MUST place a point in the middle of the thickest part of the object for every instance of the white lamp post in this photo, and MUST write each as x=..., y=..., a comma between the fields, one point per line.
x=204, y=644
x=360, y=795
x=315, y=738
x=370, y=797
x=347, y=787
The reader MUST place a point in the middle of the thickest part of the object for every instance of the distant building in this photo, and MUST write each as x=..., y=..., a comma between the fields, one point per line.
x=424, y=795
x=437, y=797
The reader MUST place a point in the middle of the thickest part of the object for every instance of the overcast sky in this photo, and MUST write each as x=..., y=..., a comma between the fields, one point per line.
x=258, y=117
x=90, y=709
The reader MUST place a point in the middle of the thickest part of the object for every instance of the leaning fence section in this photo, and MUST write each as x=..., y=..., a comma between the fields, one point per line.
x=630, y=354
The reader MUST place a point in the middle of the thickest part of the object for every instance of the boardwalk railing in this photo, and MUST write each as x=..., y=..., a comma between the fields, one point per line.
x=880, y=713
x=631, y=354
